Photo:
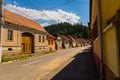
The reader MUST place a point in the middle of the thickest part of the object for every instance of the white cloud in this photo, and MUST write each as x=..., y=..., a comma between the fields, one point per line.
x=15, y=3
x=45, y=24
x=57, y=16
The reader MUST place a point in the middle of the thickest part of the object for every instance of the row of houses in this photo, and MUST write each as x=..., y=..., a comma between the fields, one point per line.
x=22, y=35
x=105, y=26
x=67, y=41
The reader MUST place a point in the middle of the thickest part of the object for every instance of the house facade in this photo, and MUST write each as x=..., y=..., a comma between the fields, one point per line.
x=51, y=42
x=80, y=42
x=59, y=42
x=73, y=42
x=22, y=35
x=65, y=42
x=110, y=24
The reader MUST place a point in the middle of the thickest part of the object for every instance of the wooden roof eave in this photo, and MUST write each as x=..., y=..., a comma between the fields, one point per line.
x=115, y=19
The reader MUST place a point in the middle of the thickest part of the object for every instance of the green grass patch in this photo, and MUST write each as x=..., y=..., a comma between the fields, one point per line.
x=50, y=51
x=20, y=57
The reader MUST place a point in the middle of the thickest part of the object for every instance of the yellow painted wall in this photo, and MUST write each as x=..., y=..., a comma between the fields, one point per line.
x=94, y=12
x=112, y=60
x=51, y=46
x=37, y=43
x=74, y=44
x=96, y=47
x=109, y=8
x=96, y=43
x=111, y=55
x=16, y=38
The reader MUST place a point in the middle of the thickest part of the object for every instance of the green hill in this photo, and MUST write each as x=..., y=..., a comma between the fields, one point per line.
x=77, y=30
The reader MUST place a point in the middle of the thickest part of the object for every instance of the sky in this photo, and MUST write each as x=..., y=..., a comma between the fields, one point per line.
x=48, y=12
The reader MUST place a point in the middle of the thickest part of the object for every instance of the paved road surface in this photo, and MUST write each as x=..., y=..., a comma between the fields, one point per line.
x=82, y=67
x=39, y=67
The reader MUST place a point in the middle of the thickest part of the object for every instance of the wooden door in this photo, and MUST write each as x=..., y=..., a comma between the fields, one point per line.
x=27, y=44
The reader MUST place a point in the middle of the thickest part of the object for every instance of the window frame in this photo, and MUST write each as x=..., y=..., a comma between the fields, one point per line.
x=39, y=39
x=10, y=35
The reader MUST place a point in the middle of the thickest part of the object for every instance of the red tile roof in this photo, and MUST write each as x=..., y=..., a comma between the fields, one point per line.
x=22, y=21
x=80, y=40
x=65, y=38
x=51, y=36
x=70, y=37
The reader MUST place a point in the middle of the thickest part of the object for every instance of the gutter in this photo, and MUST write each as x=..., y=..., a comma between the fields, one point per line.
x=101, y=41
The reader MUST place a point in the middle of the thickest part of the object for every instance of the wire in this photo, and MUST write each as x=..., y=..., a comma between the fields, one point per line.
x=62, y=4
x=33, y=5
x=38, y=7
x=51, y=7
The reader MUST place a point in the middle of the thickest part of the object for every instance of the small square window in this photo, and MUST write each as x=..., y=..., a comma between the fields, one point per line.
x=9, y=49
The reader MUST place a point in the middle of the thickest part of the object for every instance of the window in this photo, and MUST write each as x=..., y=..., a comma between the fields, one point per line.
x=66, y=42
x=52, y=42
x=9, y=49
x=10, y=34
x=59, y=40
x=43, y=39
x=49, y=42
x=39, y=38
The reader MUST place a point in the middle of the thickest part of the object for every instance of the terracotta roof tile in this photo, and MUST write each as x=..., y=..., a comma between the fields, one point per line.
x=71, y=38
x=50, y=36
x=65, y=38
x=22, y=21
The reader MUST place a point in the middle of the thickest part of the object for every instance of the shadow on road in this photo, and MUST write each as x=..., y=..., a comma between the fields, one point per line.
x=83, y=67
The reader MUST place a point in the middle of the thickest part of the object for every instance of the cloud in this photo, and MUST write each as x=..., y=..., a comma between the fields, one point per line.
x=45, y=24
x=15, y=3
x=56, y=15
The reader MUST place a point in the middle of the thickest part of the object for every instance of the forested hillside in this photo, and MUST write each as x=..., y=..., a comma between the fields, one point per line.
x=77, y=30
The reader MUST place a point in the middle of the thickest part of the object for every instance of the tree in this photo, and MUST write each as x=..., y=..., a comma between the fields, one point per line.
x=76, y=30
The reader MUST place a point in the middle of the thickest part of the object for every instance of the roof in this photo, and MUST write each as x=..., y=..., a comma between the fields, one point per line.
x=65, y=38
x=21, y=21
x=51, y=36
x=71, y=38
x=80, y=39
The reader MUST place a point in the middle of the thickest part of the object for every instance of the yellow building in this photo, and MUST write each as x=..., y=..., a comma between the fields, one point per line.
x=110, y=21
x=51, y=42
x=73, y=42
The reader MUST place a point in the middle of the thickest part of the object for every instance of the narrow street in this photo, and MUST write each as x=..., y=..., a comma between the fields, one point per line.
x=39, y=67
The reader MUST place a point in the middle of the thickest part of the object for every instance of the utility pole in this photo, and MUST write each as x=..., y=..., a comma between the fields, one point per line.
x=1, y=26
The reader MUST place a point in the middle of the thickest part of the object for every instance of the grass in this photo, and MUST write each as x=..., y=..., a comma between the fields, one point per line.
x=20, y=57
x=50, y=51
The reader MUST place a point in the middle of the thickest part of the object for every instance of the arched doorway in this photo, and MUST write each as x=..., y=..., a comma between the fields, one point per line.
x=27, y=43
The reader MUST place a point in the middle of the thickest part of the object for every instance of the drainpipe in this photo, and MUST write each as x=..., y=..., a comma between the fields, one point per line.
x=101, y=41
x=1, y=26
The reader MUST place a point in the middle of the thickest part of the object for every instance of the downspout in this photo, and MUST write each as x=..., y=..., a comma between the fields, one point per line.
x=1, y=26
x=101, y=40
